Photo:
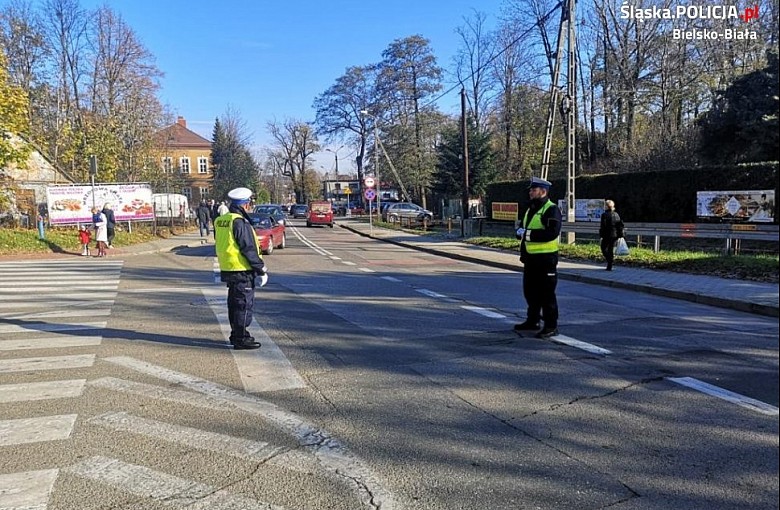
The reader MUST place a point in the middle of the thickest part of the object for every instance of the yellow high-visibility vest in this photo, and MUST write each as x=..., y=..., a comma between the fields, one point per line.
x=229, y=256
x=532, y=247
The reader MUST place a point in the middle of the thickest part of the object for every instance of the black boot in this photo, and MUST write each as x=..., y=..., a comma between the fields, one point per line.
x=527, y=326
x=246, y=343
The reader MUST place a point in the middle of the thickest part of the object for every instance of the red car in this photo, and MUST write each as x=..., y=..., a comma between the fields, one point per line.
x=270, y=233
x=320, y=213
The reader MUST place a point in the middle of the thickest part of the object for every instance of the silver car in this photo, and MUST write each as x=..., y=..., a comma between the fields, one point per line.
x=406, y=210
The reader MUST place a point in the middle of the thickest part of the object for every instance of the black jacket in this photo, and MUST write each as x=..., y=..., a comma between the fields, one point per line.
x=110, y=220
x=611, y=225
x=204, y=213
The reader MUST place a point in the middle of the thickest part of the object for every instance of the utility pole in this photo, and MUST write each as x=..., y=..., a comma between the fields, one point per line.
x=465, y=155
x=566, y=30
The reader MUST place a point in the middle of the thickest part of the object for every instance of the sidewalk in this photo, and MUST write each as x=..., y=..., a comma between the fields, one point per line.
x=745, y=296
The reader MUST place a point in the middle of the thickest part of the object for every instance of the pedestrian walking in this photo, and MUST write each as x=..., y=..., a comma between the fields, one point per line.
x=222, y=208
x=610, y=230
x=204, y=218
x=538, y=235
x=108, y=211
x=213, y=211
x=241, y=266
x=84, y=239
x=101, y=231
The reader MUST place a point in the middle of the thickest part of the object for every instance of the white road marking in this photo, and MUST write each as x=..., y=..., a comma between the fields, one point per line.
x=51, y=342
x=264, y=369
x=484, y=311
x=27, y=392
x=47, y=363
x=348, y=263
x=27, y=491
x=333, y=257
x=430, y=293
x=573, y=342
x=234, y=446
x=729, y=396
x=36, y=290
x=69, y=303
x=35, y=297
x=331, y=454
x=36, y=430
x=61, y=314
x=391, y=279
x=171, y=490
x=366, y=270
x=43, y=326
x=185, y=290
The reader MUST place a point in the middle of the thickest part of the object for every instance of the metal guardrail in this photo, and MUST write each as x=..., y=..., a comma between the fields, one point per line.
x=732, y=234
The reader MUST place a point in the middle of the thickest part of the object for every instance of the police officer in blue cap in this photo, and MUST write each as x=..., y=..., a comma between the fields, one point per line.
x=241, y=265
x=538, y=235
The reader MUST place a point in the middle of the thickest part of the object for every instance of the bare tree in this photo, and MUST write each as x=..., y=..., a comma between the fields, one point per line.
x=471, y=65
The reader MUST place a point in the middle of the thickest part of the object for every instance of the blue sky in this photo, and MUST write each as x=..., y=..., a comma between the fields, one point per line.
x=269, y=59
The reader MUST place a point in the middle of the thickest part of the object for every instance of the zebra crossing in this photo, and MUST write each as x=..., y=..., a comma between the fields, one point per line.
x=50, y=307
x=47, y=305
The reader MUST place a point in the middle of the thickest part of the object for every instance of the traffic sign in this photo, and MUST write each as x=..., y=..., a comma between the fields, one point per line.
x=369, y=182
x=369, y=194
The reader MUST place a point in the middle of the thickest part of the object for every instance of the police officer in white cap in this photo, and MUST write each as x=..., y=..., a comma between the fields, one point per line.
x=538, y=234
x=241, y=265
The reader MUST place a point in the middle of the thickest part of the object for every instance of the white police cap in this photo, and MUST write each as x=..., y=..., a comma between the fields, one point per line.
x=240, y=195
x=538, y=182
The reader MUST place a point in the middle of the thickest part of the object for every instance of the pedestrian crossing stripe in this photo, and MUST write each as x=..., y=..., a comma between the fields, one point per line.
x=46, y=363
x=28, y=392
x=29, y=490
x=36, y=430
x=52, y=342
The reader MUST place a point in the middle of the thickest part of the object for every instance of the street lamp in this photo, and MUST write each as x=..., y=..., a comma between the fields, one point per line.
x=336, y=153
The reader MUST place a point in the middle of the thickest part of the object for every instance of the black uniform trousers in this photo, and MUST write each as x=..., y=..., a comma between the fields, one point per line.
x=540, y=277
x=240, y=304
x=608, y=249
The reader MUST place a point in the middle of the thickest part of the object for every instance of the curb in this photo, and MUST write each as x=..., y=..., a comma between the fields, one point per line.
x=741, y=306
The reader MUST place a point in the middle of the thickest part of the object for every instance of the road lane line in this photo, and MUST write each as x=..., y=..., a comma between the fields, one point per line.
x=729, y=396
x=36, y=430
x=239, y=447
x=484, y=311
x=331, y=454
x=573, y=342
x=29, y=490
x=46, y=363
x=430, y=293
x=261, y=370
x=171, y=490
x=348, y=263
x=27, y=392
x=366, y=270
x=391, y=279
x=52, y=342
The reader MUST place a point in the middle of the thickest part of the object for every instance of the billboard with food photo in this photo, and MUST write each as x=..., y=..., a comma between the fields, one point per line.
x=737, y=206
x=73, y=204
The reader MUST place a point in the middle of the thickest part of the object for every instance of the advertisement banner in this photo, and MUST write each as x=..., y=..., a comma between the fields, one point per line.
x=738, y=206
x=73, y=204
x=505, y=211
x=585, y=209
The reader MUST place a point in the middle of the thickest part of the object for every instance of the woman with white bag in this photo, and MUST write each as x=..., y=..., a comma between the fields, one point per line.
x=610, y=231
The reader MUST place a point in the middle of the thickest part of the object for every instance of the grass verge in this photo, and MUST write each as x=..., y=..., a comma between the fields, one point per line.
x=65, y=239
x=762, y=268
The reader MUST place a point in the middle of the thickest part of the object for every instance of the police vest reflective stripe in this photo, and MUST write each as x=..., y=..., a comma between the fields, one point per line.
x=228, y=253
x=536, y=224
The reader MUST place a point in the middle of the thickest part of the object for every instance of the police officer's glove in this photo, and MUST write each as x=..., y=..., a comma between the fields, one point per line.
x=262, y=277
x=519, y=233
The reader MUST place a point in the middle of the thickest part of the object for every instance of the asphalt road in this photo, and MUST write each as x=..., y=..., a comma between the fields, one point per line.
x=388, y=378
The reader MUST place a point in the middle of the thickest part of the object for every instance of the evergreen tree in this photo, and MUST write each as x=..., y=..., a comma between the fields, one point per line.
x=448, y=182
x=743, y=124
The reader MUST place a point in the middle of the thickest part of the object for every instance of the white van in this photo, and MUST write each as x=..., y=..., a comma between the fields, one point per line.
x=171, y=205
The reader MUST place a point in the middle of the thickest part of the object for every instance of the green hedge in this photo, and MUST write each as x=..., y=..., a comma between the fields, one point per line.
x=654, y=197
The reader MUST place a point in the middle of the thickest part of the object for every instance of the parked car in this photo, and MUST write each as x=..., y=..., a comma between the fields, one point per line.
x=271, y=211
x=270, y=232
x=405, y=210
x=299, y=210
x=320, y=213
